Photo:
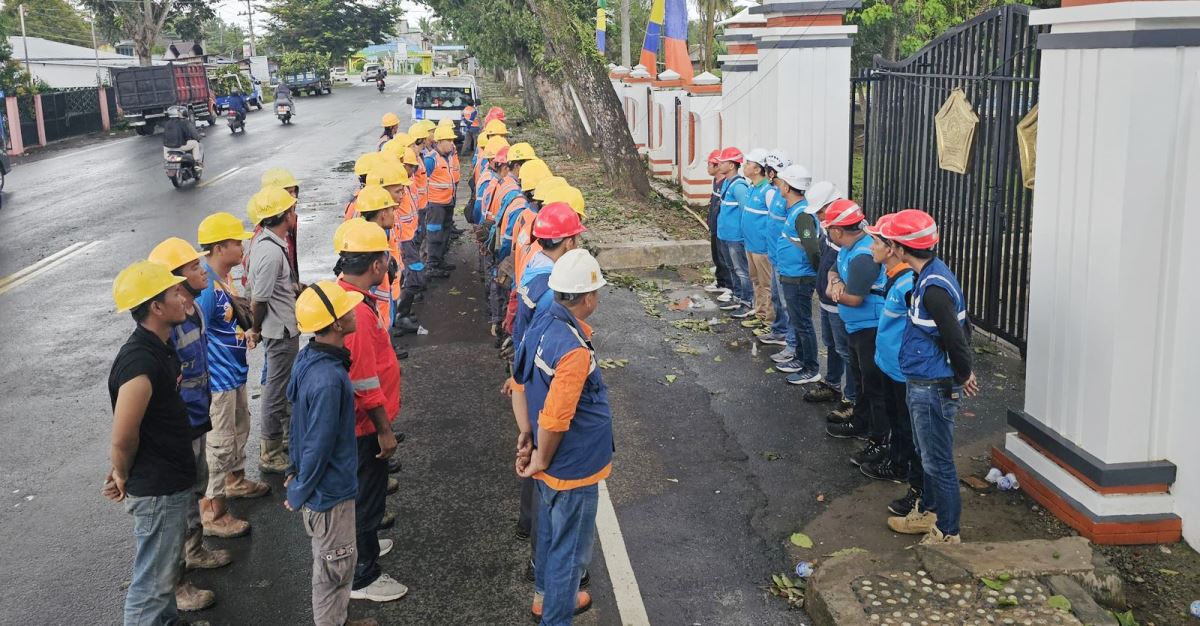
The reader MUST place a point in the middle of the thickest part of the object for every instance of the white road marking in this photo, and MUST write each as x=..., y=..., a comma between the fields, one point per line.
x=620, y=570
x=73, y=154
x=12, y=281
x=220, y=177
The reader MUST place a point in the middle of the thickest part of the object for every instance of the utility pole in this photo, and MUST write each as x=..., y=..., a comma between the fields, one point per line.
x=96, y=51
x=250, y=18
x=25, y=43
x=625, y=54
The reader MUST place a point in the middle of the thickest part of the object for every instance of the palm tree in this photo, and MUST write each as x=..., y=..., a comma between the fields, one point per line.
x=711, y=12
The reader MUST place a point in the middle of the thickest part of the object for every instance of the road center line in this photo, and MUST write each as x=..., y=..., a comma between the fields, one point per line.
x=220, y=177
x=616, y=557
x=13, y=281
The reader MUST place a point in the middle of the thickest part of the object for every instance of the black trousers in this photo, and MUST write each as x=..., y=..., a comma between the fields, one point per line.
x=903, y=451
x=723, y=274
x=869, y=410
x=528, y=521
x=369, y=506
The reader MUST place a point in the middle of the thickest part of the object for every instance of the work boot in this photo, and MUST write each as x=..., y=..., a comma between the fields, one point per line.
x=583, y=602
x=885, y=470
x=189, y=598
x=393, y=486
x=404, y=326
x=935, y=537
x=238, y=486
x=436, y=272
x=394, y=463
x=842, y=414
x=822, y=393
x=449, y=267
x=218, y=522
x=917, y=522
x=271, y=459
x=387, y=521
x=873, y=452
x=197, y=556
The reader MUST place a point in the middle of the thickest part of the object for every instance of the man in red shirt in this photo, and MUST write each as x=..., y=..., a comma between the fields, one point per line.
x=375, y=375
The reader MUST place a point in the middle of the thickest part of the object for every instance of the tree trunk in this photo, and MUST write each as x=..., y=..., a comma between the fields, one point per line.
x=583, y=71
x=533, y=92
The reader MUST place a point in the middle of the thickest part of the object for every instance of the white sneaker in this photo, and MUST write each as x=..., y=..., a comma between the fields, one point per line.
x=384, y=589
x=385, y=546
x=784, y=355
x=726, y=296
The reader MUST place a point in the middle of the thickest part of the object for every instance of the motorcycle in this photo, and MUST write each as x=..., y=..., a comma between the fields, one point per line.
x=235, y=124
x=379, y=85
x=284, y=113
x=181, y=168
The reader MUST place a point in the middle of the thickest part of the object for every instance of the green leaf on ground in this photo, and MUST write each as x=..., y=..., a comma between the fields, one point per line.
x=686, y=349
x=1124, y=619
x=802, y=540
x=670, y=378
x=1004, y=576
x=1008, y=601
x=848, y=552
x=1167, y=572
x=717, y=359
x=771, y=456
x=1059, y=602
x=992, y=583
x=454, y=291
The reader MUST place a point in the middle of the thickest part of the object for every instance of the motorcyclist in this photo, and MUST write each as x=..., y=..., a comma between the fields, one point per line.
x=180, y=135
x=237, y=104
x=283, y=95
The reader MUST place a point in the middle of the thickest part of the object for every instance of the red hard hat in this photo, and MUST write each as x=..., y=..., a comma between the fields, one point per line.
x=880, y=226
x=843, y=213
x=714, y=156
x=731, y=154
x=557, y=220
x=913, y=228
x=495, y=113
x=501, y=157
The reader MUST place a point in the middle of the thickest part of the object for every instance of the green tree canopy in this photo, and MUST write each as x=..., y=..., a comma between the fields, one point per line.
x=333, y=27
x=221, y=37
x=898, y=28
x=143, y=22
x=55, y=20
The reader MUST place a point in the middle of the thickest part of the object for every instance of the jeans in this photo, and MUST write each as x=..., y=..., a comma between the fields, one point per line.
x=724, y=276
x=868, y=407
x=437, y=237
x=903, y=452
x=782, y=325
x=837, y=353
x=799, y=303
x=566, y=529
x=933, y=407
x=159, y=527
x=735, y=258
x=277, y=369
x=369, y=505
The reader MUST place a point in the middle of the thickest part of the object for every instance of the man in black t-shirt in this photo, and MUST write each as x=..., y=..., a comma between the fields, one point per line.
x=152, y=464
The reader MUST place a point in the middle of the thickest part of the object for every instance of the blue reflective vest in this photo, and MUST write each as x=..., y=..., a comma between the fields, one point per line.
x=587, y=446
x=533, y=294
x=892, y=322
x=756, y=219
x=191, y=344
x=729, y=220
x=921, y=353
x=790, y=258
x=865, y=315
x=778, y=209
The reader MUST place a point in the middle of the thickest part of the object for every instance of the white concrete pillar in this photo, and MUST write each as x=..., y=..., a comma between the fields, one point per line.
x=616, y=76
x=739, y=68
x=1107, y=439
x=664, y=127
x=802, y=102
x=635, y=99
x=700, y=133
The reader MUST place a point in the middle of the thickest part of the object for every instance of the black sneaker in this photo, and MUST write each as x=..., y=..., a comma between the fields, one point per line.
x=846, y=430
x=884, y=470
x=871, y=453
x=822, y=393
x=449, y=267
x=521, y=533
x=904, y=505
x=387, y=521
x=842, y=414
x=394, y=463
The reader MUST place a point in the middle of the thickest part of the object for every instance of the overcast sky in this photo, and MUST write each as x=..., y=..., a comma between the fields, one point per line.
x=231, y=10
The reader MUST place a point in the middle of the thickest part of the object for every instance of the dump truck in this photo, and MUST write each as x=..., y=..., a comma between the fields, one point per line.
x=145, y=93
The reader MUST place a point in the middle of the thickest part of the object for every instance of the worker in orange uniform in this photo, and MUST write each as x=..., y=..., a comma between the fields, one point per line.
x=376, y=205
x=361, y=167
x=394, y=178
x=419, y=133
x=391, y=124
x=472, y=123
x=456, y=171
x=442, y=186
x=512, y=201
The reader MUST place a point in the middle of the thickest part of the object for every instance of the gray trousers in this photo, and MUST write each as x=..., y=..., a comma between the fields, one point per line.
x=334, y=558
x=436, y=233
x=281, y=353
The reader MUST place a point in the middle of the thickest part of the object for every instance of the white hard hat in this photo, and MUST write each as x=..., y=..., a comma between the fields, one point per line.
x=576, y=272
x=821, y=194
x=757, y=155
x=796, y=176
x=777, y=160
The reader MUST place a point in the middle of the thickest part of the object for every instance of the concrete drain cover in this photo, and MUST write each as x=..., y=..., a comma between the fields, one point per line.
x=912, y=598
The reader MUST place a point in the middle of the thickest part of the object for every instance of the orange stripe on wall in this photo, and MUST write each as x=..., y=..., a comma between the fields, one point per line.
x=812, y=20
x=742, y=48
x=1125, y=489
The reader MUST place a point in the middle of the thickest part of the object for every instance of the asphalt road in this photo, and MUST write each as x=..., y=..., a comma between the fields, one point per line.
x=712, y=471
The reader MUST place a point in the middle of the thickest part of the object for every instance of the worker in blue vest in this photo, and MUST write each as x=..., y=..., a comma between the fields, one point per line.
x=797, y=252
x=734, y=190
x=935, y=358
x=857, y=288
x=833, y=331
x=781, y=331
x=756, y=222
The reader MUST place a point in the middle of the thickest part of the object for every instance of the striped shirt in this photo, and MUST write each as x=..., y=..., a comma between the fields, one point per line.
x=227, y=366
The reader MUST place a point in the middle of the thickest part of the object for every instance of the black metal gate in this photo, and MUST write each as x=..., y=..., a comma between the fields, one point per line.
x=984, y=214
x=27, y=111
x=71, y=112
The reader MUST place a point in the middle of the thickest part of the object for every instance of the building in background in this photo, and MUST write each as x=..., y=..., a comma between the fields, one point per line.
x=62, y=65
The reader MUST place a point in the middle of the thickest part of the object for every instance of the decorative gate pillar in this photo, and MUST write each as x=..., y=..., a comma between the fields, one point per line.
x=617, y=74
x=802, y=103
x=635, y=101
x=1108, y=436
x=699, y=133
x=663, y=126
x=739, y=69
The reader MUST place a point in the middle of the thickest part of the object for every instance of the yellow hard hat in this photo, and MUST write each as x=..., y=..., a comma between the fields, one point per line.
x=174, y=253
x=420, y=130
x=314, y=313
x=272, y=201
x=359, y=235
x=390, y=119
x=396, y=145
x=493, y=146
x=252, y=209
x=546, y=185
x=444, y=133
x=568, y=194
x=445, y=122
x=483, y=138
x=410, y=157
x=521, y=152
x=220, y=227
x=388, y=172
x=373, y=198
x=532, y=172
x=496, y=127
x=366, y=162
x=140, y=282
x=279, y=177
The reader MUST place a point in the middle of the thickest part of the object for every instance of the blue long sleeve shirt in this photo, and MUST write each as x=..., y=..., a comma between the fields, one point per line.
x=323, y=449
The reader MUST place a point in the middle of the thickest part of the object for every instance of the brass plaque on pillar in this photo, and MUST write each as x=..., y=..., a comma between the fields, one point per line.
x=955, y=125
x=1027, y=145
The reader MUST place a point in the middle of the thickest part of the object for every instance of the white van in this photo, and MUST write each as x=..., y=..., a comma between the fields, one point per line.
x=437, y=98
x=371, y=71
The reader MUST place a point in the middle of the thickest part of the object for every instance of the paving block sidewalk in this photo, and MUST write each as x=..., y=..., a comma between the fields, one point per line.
x=1019, y=582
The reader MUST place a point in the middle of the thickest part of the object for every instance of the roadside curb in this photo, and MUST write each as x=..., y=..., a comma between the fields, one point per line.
x=643, y=254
